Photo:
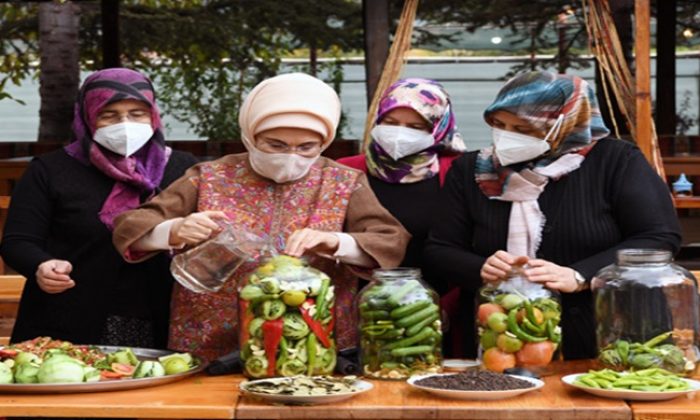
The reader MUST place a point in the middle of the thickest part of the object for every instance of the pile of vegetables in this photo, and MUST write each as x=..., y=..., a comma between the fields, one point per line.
x=399, y=330
x=657, y=352
x=517, y=331
x=649, y=380
x=43, y=360
x=287, y=318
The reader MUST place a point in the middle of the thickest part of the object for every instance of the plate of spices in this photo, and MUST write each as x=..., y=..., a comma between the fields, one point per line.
x=306, y=390
x=475, y=385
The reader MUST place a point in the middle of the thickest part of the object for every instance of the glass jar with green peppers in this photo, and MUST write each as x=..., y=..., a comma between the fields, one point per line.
x=646, y=311
x=518, y=325
x=286, y=320
x=399, y=323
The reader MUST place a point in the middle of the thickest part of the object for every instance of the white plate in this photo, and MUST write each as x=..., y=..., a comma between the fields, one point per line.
x=362, y=386
x=475, y=395
x=624, y=394
x=459, y=365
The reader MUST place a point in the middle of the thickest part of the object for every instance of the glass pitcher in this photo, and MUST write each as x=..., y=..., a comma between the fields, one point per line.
x=207, y=267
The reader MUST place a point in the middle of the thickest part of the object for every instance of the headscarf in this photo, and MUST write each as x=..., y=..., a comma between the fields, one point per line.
x=294, y=100
x=430, y=100
x=540, y=98
x=135, y=175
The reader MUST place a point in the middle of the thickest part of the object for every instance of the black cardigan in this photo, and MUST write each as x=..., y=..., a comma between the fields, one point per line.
x=614, y=200
x=54, y=214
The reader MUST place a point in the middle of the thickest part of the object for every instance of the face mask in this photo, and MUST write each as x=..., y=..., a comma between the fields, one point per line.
x=280, y=167
x=124, y=138
x=399, y=142
x=510, y=147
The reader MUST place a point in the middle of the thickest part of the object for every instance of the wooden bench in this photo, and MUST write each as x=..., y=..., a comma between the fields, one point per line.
x=10, y=293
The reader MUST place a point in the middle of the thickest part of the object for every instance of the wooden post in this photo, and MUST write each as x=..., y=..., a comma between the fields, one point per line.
x=642, y=79
x=110, y=34
x=376, y=27
x=666, y=67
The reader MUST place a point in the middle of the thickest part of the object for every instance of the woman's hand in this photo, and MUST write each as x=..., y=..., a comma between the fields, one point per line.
x=309, y=240
x=553, y=276
x=195, y=228
x=53, y=276
x=499, y=265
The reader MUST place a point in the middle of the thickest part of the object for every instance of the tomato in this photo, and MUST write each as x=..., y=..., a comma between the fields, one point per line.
x=8, y=353
x=539, y=316
x=108, y=374
x=508, y=343
x=498, y=322
x=486, y=309
x=535, y=354
x=496, y=360
x=123, y=369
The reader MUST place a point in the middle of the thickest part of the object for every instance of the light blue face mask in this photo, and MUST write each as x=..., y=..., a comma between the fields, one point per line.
x=510, y=147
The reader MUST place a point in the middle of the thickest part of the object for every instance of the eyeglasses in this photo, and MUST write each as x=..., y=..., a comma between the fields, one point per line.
x=114, y=117
x=304, y=149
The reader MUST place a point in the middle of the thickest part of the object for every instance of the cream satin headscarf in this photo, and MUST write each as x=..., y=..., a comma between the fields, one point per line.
x=290, y=100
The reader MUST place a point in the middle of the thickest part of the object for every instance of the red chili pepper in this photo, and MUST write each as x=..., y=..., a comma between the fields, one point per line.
x=315, y=325
x=272, y=334
x=246, y=317
x=331, y=324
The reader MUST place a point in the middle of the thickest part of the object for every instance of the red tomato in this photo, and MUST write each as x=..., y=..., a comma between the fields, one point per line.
x=108, y=374
x=496, y=360
x=8, y=353
x=535, y=354
x=123, y=369
x=486, y=309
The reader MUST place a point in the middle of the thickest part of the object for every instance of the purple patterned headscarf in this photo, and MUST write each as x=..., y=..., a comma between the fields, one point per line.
x=430, y=100
x=139, y=173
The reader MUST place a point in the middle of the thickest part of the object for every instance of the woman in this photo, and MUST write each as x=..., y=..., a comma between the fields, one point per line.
x=552, y=193
x=414, y=142
x=281, y=190
x=59, y=226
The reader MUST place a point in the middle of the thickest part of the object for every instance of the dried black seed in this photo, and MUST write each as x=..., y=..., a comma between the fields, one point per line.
x=475, y=381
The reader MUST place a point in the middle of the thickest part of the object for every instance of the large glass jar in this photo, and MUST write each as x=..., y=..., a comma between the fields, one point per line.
x=286, y=320
x=400, y=329
x=518, y=324
x=646, y=312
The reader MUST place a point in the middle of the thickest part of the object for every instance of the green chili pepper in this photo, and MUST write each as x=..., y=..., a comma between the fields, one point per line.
x=425, y=333
x=375, y=314
x=404, y=310
x=389, y=365
x=321, y=298
x=395, y=299
x=250, y=292
x=658, y=339
x=417, y=316
x=533, y=328
x=410, y=351
x=311, y=350
x=514, y=328
x=417, y=327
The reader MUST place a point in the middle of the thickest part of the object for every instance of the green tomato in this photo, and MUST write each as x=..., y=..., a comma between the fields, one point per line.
x=498, y=322
x=510, y=301
x=488, y=339
x=176, y=365
x=508, y=343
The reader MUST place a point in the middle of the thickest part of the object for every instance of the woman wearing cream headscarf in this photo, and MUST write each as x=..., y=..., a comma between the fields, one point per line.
x=281, y=190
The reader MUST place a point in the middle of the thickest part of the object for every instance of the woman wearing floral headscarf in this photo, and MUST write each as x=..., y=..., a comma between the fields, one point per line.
x=283, y=191
x=59, y=226
x=553, y=193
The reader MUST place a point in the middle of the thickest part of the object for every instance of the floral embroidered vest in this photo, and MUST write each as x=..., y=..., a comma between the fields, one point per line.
x=207, y=324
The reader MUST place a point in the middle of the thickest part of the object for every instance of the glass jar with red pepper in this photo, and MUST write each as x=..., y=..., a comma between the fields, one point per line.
x=287, y=317
x=400, y=327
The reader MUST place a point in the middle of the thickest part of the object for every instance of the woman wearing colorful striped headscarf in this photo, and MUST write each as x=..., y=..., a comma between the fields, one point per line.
x=553, y=192
x=59, y=226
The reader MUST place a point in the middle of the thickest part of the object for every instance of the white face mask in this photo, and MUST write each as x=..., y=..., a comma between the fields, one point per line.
x=280, y=167
x=510, y=147
x=124, y=138
x=399, y=142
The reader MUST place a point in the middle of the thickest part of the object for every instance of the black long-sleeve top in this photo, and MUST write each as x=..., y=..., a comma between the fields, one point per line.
x=54, y=215
x=614, y=200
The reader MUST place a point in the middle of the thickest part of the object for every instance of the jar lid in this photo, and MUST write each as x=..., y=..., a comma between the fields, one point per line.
x=682, y=184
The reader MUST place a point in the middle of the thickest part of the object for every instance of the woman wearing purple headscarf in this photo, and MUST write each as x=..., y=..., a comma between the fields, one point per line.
x=59, y=227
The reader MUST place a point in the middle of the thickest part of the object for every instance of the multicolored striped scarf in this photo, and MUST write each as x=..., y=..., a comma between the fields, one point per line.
x=140, y=173
x=430, y=100
x=539, y=98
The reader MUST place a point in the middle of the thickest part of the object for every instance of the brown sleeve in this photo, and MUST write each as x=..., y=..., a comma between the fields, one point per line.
x=178, y=200
x=376, y=231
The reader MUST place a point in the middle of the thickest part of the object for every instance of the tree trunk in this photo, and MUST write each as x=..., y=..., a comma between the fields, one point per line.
x=59, y=75
x=376, y=28
x=313, y=57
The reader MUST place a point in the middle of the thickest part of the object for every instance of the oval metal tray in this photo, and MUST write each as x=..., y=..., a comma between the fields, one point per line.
x=111, y=385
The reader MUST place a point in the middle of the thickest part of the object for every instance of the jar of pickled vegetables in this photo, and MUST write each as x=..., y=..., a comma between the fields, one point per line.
x=399, y=322
x=518, y=324
x=286, y=320
x=646, y=311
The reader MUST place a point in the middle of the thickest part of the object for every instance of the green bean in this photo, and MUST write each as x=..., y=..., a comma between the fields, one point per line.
x=417, y=316
x=321, y=304
x=404, y=310
x=410, y=351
